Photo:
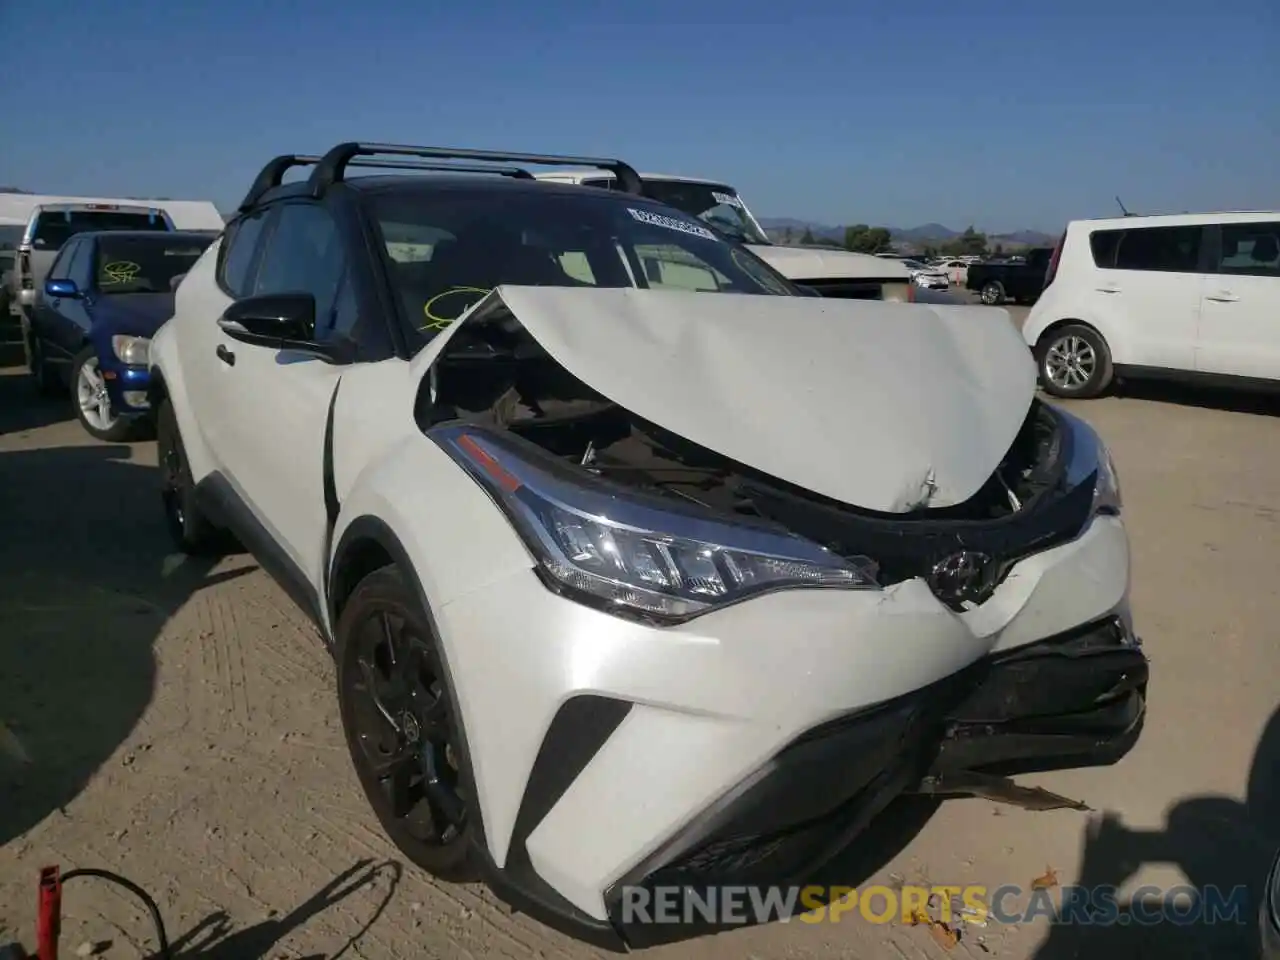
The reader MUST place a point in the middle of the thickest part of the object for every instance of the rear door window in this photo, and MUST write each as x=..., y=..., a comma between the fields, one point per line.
x=240, y=254
x=1150, y=249
x=53, y=228
x=1250, y=250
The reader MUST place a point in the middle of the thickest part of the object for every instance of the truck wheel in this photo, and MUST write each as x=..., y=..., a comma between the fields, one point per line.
x=992, y=293
x=1074, y=362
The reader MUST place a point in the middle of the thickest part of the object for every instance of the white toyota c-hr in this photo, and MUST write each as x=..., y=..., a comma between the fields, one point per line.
x=631, y=586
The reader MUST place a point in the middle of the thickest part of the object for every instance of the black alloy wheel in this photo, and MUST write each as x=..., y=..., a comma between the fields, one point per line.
x=190, y=531
x=397, y=714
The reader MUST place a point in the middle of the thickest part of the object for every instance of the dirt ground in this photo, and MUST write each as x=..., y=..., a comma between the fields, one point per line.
x=177, y=723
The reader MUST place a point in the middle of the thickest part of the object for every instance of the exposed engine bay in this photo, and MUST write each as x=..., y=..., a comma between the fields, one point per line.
x=493, y=374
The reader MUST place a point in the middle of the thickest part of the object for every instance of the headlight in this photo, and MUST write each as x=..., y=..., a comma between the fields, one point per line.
x=134, y=351
x=1090, y=458
x=635, y=554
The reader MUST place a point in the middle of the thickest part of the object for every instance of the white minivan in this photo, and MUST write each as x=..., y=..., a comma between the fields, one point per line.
x=1191, y=296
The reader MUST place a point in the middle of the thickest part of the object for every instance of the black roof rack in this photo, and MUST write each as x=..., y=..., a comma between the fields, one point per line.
x=331, y=166
x=273, y=173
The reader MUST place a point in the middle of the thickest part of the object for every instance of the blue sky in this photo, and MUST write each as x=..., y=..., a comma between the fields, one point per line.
x=1003, y=113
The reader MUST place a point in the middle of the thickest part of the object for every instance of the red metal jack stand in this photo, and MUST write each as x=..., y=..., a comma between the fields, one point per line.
x=49, y=914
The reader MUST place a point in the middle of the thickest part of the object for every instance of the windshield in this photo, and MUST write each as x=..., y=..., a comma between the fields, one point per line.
x=132, y=264
x=56, y=227
x=713, y=203
x=448, y=249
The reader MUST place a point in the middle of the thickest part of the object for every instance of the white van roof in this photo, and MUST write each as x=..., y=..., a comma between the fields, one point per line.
x=16, y=209
x=1180, y=219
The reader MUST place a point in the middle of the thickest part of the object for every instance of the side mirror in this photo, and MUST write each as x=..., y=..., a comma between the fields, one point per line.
x=61, y=289
x=282, y=321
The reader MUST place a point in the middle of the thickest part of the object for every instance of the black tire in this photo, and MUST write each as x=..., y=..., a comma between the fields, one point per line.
x=47, y=382
x=412, y=773
x=120, y=429
x=1057, y=344
x=190, y=531
x=992, y=293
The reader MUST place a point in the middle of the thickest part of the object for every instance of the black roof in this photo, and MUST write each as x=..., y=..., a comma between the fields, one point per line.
x=453, y=166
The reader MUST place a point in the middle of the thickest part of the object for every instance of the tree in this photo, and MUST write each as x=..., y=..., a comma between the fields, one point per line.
x=808, y=236
x=999, y=250
x=787, y=235
x=861, y=238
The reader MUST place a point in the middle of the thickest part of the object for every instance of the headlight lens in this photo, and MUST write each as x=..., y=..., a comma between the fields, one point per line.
x=632, y=554
x=135, y=351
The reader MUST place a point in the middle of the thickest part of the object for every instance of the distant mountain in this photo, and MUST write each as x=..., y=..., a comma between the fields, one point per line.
x=926, y=234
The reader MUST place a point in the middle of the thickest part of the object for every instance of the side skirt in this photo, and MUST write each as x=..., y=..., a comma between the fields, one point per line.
x=220, y=502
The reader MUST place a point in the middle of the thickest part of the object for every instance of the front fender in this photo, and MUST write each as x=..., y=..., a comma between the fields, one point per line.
x=452, y=532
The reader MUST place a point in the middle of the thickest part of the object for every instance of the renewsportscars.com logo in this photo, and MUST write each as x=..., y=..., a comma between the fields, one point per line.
x=979, y=905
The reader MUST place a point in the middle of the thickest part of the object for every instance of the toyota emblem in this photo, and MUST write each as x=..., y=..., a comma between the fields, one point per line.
x=963, y=576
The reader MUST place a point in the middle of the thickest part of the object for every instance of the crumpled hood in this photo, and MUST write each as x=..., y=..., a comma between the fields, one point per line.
x=888, y=407
x=131, y=314
x=807, y=263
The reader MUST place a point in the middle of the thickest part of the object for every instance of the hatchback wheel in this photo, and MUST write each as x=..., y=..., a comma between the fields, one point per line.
x=398, y=717
x=1075, y=362
x=93, y=403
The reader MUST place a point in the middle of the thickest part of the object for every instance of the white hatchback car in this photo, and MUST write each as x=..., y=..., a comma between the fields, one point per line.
x=634, y=588
x=1192, y=297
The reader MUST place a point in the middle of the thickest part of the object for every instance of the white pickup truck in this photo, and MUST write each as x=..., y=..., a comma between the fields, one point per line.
x=830, y=272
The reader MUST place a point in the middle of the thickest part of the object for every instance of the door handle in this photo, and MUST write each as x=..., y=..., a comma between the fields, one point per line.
x=1111, y=289
x=1222, y=296
x=225, y=355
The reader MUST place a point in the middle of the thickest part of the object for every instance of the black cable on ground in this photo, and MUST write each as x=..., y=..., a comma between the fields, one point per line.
x=137, y=891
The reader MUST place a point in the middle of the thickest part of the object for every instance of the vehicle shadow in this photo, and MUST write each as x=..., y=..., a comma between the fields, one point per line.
x=22, y=408
x=1215, y=841
x=212, y=939
x=83, y=596
x=1262, y=403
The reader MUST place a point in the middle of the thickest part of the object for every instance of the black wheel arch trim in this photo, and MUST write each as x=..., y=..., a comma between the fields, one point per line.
x=537, y=898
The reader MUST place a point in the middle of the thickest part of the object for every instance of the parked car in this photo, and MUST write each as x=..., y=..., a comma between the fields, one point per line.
x=926, y=276
x=1269, y=914
x=105, y=296
x=957, y=270
x=1193, y=297
x=831, y=271
x=564, y=549
x=1019, y=281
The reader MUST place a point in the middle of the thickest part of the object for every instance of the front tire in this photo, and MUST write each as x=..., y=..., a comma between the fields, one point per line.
x=398, y=718
x=992, y=293
x=93, y=403
x=190, y=531
x=1075, y=362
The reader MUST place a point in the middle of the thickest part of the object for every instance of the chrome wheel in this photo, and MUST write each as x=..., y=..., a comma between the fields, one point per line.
x=991, y=294
x=91, y=395
x=1070, y=363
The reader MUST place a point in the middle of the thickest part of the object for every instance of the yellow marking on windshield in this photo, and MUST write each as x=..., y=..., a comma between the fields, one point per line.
x=436, y=322
x=121, y=271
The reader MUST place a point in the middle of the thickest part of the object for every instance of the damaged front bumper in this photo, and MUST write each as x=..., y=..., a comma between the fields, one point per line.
x=1070, y=701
